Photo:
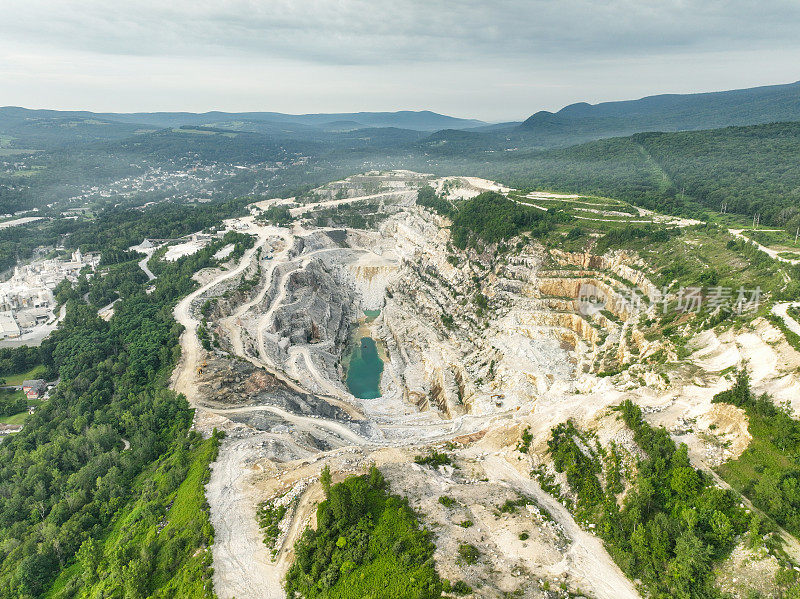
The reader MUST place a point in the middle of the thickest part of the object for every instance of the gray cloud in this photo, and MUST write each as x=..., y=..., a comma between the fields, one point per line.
x=400, y=31
x=494, y=59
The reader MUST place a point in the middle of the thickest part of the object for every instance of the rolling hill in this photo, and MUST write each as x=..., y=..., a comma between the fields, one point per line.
x=583, y=122
x=669, y=112
x=46, y=129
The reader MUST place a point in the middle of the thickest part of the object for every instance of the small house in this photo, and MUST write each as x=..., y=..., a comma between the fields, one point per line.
x=34, y=389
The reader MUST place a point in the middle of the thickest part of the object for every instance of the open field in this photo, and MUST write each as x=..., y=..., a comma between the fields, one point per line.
x=20, y=417
x=17, y=378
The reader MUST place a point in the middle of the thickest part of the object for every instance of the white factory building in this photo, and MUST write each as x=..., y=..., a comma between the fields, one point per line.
x=26, y=299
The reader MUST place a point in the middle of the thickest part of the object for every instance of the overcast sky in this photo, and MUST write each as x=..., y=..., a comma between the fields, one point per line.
x=490, y=59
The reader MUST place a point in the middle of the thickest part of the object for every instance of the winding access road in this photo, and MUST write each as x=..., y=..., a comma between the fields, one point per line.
x=782, y=312
x=184, y=381
x=770, y=252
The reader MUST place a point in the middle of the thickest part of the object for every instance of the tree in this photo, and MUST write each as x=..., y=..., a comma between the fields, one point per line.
x=33, y=573
x=685, y=481
x=325, y=479
x=721, y=529
x=687, y=570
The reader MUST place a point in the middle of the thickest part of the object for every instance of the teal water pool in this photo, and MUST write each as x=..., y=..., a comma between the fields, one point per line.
x=365, y=369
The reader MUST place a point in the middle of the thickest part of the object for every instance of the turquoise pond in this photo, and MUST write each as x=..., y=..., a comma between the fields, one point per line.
x=364, y=370
x=365, y=366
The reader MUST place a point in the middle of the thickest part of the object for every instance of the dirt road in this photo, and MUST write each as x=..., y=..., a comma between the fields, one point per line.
x=241, y=565
x=323, y=383
x=331, y=203
x=303, y=422
x=234, y=331
x=781, y=311
x=241, y=562
x=184, y=377
x=283, y=289
x=771, y=253
x=790, y=544
x=143, y=265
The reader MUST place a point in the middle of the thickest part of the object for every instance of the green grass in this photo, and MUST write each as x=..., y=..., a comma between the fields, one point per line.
x=767, y=472
x=15, y=151
x=792, y=338
x=586, y=199
x=383, y=577
x=158, y=543
x=36, y=372
x=777, y=240
x=693, y=257
x=194, y=131
x=20, y=417
x=697, y=256
x=760, y=454
x=29, y=172
x=205, y=132
x=14, y=420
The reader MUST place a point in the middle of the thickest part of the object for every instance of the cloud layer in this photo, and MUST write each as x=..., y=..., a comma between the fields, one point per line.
x=388, y=32
x=517, y=41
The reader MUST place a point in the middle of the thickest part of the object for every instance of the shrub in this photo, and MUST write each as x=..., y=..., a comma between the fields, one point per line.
x=468, y=553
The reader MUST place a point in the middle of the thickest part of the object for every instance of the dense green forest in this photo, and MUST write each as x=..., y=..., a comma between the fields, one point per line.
x=674, y=524
x=767, y=472
x=44, y=129
x=210, y=144
x=19, y=359
x=366, y=539
x=741, y=170
x=668, y=112
x=112, y=521
x=745, y=170
x=489, y=218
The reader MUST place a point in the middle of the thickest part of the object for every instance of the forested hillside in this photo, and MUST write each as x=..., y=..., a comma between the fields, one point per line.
x=101, y=492
x=366, y=539
x=49, y=129
x=668, y=112
x=582, y=122
x=94, y=162
x=748, y=169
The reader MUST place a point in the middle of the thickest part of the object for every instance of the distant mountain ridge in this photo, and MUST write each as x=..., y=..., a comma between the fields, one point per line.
x=422, y=120
x=667, y=112
x=424, y=130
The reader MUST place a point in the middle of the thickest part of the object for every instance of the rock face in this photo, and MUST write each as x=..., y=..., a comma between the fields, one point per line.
x=511, y=340
x=372, y=282
x=621, y=263
x=468, y=332
x=463, y=331
x=235, y=384
x=317, y=308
